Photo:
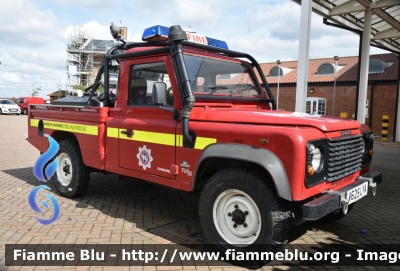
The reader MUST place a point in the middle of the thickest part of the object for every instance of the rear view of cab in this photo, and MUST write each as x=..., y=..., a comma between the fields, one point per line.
x=24, y=102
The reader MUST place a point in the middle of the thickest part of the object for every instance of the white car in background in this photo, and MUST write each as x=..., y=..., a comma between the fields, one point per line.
x=9, y=107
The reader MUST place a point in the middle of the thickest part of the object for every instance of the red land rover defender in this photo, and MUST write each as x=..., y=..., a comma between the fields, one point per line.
x=189, y=113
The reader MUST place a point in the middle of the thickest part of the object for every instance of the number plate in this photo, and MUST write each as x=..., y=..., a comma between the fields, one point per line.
x=13, y=110
x=357, y=192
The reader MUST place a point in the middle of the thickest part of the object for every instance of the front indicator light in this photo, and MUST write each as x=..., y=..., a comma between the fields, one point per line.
x=371, y=152
x=310, y=171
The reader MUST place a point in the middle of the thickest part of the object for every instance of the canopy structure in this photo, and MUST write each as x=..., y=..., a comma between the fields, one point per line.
x=378, y=24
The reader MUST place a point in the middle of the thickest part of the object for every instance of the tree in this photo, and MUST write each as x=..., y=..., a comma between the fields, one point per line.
x=59, y=85
x=99, y=89
x=35, y=90
x=79, y=87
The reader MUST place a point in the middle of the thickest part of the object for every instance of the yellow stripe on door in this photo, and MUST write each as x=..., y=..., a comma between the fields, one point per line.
x=150, y=137
x=160, y=138
x=69, y=127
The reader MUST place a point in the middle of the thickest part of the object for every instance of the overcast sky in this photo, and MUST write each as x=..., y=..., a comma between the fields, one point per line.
x=34, y=33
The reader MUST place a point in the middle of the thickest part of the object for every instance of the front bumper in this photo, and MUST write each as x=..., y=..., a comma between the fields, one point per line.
x=334, y=200
x=8, y=111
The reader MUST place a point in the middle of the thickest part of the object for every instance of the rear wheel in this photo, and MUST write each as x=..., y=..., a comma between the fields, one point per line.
x=72, y=176
x=240, y=210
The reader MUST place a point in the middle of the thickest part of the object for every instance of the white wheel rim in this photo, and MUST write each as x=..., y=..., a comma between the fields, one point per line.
x=64, y=169
x=240, y=233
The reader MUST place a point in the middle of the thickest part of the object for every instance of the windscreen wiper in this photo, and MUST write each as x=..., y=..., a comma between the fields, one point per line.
x=214, y=89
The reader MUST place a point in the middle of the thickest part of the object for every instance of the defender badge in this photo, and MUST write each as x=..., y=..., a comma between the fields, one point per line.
x=144, y=157
x=345, y=133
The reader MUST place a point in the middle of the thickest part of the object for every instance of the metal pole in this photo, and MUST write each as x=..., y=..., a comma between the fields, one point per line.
x=360, y=33
x=396, y=130
x=362, y=98
x=334, y=90
x=277, y=92
x=303, y=56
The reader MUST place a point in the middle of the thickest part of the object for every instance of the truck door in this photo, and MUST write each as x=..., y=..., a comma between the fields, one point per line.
x=147, y=131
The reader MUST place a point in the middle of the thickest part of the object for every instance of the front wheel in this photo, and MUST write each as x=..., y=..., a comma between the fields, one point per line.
x=72, y=176
x=25, y=112
x=239, y=209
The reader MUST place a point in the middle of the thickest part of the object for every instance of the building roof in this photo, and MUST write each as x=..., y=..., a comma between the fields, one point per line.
x=346, y=74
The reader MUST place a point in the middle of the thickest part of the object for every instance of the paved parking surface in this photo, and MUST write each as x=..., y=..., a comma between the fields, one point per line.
x=117, y=211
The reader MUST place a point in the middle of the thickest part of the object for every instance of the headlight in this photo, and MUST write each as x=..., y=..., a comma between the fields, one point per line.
x=316, y=158
x=316, y=166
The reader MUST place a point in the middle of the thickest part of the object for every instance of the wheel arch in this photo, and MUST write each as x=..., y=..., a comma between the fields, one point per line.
x=217, y=156
x=62, y=135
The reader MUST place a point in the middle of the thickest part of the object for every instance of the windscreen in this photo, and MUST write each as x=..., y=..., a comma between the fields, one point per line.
x=218, y=77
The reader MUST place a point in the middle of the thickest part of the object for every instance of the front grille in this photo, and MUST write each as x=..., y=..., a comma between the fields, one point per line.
x=345, y=156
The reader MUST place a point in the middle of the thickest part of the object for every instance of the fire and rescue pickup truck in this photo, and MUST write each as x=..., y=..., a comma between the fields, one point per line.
x=184, y=111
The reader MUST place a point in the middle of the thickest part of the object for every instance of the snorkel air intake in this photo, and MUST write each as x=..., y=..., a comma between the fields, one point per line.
x=177, y=35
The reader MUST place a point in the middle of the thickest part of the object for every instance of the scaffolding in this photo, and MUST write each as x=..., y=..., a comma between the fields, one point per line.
x=84, y=56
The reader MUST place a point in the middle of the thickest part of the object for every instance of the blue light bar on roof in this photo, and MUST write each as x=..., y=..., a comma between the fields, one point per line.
x=159, y=32
x=217, y=43
x=155, y=31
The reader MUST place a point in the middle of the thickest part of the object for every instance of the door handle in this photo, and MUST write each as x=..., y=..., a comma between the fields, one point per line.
x=128, y=133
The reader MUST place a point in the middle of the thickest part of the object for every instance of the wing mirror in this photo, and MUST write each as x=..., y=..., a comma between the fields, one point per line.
x=159, y=93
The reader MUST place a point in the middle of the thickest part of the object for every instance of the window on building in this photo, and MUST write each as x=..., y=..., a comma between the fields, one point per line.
x=275, y=72
x=321, y=106
x=328, y=69
x=378, y=66
x=316, y=106
x=90, y=62
x=278, y=71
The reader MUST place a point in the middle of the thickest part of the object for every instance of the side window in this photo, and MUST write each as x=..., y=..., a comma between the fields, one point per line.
x=308, y=105
x=141, y=80
x=321, y=106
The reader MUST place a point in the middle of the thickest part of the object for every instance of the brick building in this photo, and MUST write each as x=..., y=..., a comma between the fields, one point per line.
x=382, y=86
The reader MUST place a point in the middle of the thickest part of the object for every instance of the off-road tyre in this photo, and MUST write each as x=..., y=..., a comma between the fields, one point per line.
x=244, y=188
x=336, y=215
x=75, y=179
